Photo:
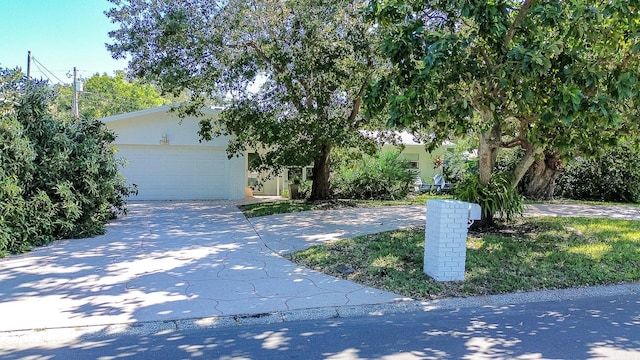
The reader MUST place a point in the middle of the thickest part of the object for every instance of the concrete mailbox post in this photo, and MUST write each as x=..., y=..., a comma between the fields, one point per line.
x=445, y=247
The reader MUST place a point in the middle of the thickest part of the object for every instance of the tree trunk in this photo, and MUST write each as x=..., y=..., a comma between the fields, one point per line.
x=487, y=154
x=528, y=159
x=320, y=187
x=542, y=175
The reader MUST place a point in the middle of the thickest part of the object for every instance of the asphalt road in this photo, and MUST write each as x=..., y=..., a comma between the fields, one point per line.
x=606, y=327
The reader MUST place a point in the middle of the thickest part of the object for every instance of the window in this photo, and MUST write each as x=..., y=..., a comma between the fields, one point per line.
x=295, y=172
x=412, y=159
x=252, y=177
x=308, y=173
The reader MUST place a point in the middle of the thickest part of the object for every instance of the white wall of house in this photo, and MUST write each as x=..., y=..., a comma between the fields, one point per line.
x=412, y=151
x=168, y=162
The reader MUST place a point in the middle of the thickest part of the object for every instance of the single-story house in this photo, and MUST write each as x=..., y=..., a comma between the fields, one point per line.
x=413, y=151
x=421, y=160
x=166, y=160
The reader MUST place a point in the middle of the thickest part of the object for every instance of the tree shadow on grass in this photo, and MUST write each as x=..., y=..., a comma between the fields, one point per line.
x=554, y=254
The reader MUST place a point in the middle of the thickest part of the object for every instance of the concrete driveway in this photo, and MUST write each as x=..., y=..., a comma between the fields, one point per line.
x=287, y=233
x=164, y=261
x=181, y=264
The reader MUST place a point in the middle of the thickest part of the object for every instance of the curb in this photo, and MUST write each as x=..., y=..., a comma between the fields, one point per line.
x=71, y=334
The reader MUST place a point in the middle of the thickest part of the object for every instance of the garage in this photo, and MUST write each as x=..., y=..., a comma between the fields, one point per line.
x=175, y=173
x=164, y=158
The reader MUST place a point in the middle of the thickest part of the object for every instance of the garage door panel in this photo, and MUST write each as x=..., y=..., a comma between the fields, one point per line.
x=176, y=173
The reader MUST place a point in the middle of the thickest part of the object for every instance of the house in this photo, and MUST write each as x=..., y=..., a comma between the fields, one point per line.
x=166, y=160
x=422, y=161
x=412, y=150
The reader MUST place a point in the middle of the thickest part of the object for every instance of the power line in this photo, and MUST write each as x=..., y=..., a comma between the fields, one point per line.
x=41, y=67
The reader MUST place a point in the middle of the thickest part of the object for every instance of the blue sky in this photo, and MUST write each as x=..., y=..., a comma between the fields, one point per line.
x=61, y=34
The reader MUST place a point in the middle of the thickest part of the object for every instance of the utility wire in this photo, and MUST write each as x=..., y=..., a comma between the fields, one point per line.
x=41, y=67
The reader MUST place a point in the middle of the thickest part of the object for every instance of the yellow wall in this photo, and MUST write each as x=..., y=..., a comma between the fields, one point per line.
x=425, y=168
x=425, y=159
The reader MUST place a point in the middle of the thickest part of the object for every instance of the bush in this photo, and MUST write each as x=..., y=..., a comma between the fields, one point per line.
x=614, y=176
x=304, y=190
x=508, y=159
x=382, y=176
x=57, y=179
x=498, y=199
x=457, y=166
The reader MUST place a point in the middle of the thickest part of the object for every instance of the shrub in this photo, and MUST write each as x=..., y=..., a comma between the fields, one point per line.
x=58, y=179
x=458, y=162
x=508, y=159
x=613, y=176
x=457, y=166
x=497, y=199
x=304, y=190
x=381, y=176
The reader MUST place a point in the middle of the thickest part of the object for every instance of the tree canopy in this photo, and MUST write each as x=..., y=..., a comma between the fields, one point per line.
x=58, y=179
x=13, y=84
x=105, y=95
x=532, y=74
x=312, y=60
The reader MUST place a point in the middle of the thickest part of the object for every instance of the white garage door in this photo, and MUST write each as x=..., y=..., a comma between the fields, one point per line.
x=175, y=172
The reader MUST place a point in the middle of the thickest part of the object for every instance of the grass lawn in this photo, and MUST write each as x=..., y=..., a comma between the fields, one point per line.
x=288, y=206
x=533, y=254
x=274, y=207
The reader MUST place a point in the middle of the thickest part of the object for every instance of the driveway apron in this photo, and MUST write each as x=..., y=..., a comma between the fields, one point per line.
x=287, y=233
x=164, y=261
x=190, y=260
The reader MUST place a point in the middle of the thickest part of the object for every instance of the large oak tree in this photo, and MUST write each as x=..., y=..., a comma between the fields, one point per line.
x=313, y=60
x=556, y=76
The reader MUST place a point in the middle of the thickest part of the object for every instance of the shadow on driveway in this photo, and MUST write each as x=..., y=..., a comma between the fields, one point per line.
x=164, y=261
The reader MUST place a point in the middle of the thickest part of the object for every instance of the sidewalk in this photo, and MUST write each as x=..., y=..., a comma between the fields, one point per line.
x=172, y=265
x=604, y=211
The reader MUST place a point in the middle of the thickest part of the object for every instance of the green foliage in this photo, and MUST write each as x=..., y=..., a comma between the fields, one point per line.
x=457, y=166
x=104, y=96
x=507, y=160
x=553, y=75
x=274, y=207
x=381, y=176
x=57, y=179
x=613, y=176
x=311, y=59
x=535, y=254
x=459, y=162
x=11, y=87
x=347, y=156
x=497, y=199
x=304, y=190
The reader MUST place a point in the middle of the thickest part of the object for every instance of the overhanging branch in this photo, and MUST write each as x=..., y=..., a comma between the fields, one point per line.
x=357, y=102
x=516, y=22
x=279, y=70
x=511, y=144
